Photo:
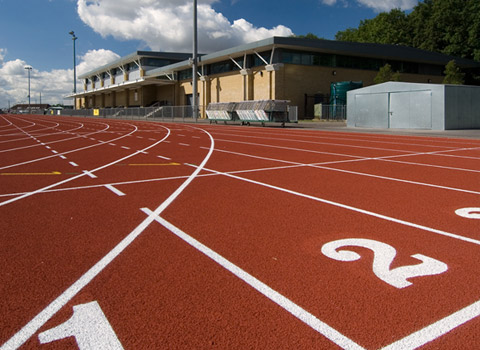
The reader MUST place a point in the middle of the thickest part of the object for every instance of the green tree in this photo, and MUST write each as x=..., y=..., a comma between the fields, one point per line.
x=451, y=27
x=453, y=74
x=386, y=74
x=308, y=36
x=387, y=28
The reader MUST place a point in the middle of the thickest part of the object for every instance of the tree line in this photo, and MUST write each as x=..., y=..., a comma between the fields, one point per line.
x=450, y=27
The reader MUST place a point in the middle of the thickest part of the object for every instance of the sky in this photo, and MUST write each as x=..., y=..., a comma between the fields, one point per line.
x=36, y=33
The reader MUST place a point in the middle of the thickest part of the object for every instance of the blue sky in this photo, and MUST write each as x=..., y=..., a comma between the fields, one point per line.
x=35, y=32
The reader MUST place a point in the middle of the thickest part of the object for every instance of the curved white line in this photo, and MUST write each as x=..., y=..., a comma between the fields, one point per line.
x=83, y=174
x=38, y=321
x=72, y=151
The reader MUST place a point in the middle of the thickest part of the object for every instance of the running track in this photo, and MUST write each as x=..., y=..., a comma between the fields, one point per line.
x=136, y=235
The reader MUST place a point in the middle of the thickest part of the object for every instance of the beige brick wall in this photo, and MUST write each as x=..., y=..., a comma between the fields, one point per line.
x=292, y=82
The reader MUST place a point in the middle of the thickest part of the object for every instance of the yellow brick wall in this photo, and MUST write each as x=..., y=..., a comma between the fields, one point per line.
x=292, y=82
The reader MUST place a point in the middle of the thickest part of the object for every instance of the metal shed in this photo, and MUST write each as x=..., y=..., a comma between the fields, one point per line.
x=414, y=106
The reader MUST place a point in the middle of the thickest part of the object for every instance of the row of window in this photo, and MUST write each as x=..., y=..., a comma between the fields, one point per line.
x=317, y=59
x=290, y=57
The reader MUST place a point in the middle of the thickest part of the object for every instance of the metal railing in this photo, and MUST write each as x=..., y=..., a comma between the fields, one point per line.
x=160, y=113
x=333, y=112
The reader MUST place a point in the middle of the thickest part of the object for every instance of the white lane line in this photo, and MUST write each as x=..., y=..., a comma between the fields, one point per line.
x=166, y=158
x=48, y=147
x=91, y=175
x=115, y=190
x=321, y=166
x=184, y=144
x=437, y=329
x=362, y=158
x=125, y=147
x=195, y=137
x=40, y=319
x=288, y=305
x=54, y=152
x=348, y=207
x=63, y=157
x=73, y=164
x=112, y=144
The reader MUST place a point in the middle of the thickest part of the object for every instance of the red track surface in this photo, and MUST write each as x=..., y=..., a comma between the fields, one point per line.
x=176, y=236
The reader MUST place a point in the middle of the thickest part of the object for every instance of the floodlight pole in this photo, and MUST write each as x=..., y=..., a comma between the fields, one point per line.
x=195, y=62
x=74, y=67
x=29, y=68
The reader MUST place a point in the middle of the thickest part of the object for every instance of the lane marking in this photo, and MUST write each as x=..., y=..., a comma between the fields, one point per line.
x=437, y=329
x=321, y=166
x=115, y=190
x=73, y=164
x=29, y=174
x=154, y=164
x=63, y=157
x=125, y=147
x=54, y=152
x=27, y=331
x=351, y=208
x=89, y=326
x=91, y=175
x=303, y=315
x=469, y=213
x=48, y=147
x=162, y=157
x=184, y=144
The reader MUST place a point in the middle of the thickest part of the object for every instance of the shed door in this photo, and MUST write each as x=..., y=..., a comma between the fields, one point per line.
x=411, y=110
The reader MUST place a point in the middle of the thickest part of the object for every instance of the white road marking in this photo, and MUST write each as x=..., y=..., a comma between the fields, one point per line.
x=166, y=158
x=41, y=318
x=89, y=326
x=73, y=164
x=469, y=213
x=54, y=152
x=184, y=144
x=437, y=329
x=86, y=172
x=351, y=208
x=288, y=305
x=115, y=190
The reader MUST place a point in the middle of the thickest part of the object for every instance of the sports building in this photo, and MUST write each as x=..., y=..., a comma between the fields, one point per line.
x=277, y=68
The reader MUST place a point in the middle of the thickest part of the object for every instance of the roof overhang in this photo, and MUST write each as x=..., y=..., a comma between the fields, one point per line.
x=127, y=85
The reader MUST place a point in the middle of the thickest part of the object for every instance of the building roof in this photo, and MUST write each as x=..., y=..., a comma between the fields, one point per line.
x=381, y=51
x=176, y=56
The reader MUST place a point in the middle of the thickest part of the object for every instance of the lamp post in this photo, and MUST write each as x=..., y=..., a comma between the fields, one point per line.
x=29, y=68
x=195, y=61
x=74, y=67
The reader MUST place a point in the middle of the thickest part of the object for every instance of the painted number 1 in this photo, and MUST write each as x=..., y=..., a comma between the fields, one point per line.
x=384, y=255
x=90, y=328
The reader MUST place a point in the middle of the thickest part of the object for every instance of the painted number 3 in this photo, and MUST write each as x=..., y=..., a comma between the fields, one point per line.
x=384, y=255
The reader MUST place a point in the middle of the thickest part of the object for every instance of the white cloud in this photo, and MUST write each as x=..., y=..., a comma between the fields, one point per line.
x=379, y=5
x=52, y=85
x=166, y=25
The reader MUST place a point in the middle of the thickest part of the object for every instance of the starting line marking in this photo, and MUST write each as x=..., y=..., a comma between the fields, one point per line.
x=115, y=190
x=294, y=309
x=89, y=174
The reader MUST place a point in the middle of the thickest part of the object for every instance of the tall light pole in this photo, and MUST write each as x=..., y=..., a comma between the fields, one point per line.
x=74, y=67
x=195, y=62
x=29, y=68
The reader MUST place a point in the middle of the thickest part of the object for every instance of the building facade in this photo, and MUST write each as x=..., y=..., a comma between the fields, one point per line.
x=278, y=68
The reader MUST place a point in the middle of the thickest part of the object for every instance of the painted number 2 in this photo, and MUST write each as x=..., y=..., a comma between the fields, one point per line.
x=384, y=255
x=90, y=328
